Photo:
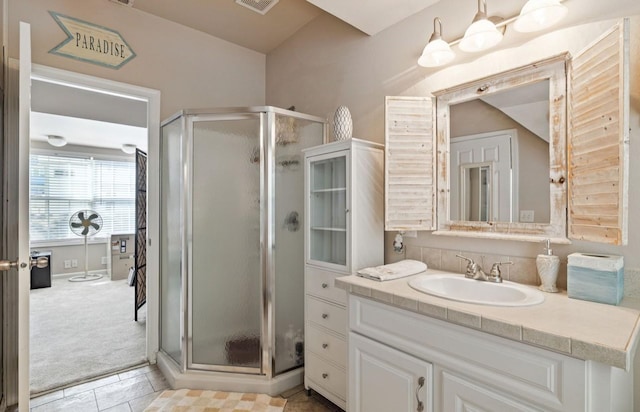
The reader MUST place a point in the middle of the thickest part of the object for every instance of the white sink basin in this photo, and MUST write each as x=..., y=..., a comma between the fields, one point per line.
x=457, y=287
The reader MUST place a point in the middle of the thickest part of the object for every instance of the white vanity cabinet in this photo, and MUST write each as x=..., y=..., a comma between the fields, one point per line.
x=390, y=349
x=389, y=380
x=344, y=231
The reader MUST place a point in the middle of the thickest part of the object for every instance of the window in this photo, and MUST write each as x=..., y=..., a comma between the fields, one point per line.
x=62, y=185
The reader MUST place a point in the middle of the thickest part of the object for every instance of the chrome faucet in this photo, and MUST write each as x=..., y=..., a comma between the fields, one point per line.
x=494, y=274
x=474, y=271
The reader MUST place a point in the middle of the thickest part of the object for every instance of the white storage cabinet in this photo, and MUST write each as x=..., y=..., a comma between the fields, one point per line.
x=344, y=232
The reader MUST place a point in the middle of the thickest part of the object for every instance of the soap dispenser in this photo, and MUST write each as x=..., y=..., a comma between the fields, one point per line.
x=548, y=265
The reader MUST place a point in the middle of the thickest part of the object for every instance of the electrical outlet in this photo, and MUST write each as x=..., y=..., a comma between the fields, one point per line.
x=103, y=260
x=526, y=216
x=74, y=263
x=67, y=264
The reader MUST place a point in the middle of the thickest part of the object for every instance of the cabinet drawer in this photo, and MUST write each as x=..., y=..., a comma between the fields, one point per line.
x=321, y=283
x=328, y=315
x=326, y=375
x=326, y=345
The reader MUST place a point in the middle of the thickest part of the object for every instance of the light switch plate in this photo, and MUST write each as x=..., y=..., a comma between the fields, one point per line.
x=527, y=216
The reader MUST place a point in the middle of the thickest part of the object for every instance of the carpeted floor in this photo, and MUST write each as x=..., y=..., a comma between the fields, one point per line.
x=80, y=330
x=188, y=400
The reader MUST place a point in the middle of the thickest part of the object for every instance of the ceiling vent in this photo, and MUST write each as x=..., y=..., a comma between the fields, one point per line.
x=124, y=2
x=259, y=6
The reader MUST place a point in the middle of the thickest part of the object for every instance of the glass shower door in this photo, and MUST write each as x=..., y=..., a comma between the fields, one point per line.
x=171, y=227
x=224, y=244
x=292, y=135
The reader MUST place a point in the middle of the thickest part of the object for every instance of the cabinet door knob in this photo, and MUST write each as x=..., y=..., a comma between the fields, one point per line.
x=325, y=315
x=420, y=407
x=325, y=375
x=325, y=345
x=325, y=285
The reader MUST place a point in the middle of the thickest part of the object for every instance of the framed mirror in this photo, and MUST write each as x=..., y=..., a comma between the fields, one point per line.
x=501, y=155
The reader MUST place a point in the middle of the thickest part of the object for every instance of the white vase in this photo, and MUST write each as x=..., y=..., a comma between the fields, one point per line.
x=342, y=124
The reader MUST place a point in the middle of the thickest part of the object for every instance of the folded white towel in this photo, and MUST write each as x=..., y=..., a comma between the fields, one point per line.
x=392, y=271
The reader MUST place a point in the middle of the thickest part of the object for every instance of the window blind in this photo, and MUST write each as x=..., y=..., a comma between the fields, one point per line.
x=61, y=185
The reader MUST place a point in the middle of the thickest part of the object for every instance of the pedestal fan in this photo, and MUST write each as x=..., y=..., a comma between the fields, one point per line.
x=85, y=223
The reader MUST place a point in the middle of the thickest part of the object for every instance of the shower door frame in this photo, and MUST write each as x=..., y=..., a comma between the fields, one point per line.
x=267, y=140
x=191, y=121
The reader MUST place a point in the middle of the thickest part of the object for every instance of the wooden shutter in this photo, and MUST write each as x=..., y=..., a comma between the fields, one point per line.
x=409, y=164
x=598, y=148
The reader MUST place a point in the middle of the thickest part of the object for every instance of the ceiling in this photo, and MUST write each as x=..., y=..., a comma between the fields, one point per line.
x=86, y=118
x=240, y=25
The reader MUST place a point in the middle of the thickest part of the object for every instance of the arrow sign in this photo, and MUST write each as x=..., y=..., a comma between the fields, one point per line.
x=91, y=43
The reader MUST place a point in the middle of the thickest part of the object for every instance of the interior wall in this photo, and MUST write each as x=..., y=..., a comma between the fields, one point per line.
x=75, y=253
x=190, y=68
x=328, y=63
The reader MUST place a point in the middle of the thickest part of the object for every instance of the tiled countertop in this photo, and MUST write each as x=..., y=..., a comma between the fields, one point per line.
x=585, y=330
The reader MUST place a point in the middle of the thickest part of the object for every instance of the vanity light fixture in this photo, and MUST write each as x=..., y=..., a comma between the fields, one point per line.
x=437, y=52
x=482, y=34
x=56, y=141
x=539, y=14
x=129, y=148
x=485, y=32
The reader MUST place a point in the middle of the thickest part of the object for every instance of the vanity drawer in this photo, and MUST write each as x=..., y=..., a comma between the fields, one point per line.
x=330, y=316
x=326, y=345
x=326, y=375
x=321, y=283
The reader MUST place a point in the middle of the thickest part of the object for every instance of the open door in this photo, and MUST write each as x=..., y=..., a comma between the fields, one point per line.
x=140, y=276
x=16, y=268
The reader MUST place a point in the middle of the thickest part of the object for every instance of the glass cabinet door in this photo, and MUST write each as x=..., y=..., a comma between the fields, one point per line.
x=328, y=208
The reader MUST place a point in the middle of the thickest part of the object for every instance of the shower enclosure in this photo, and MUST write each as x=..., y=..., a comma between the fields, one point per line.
x=231, y=277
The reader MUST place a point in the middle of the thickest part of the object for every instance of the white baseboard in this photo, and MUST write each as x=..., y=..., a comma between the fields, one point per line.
x=224, y=381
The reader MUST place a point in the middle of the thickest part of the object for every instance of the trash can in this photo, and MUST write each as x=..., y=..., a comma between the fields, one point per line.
x=41, y=277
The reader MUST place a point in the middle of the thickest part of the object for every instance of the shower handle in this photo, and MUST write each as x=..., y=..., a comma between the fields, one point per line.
x=325, y=345
x=325, y=285
x=325, y=315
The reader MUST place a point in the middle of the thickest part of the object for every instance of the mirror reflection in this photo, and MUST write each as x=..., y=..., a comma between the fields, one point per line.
x=499, y=156
x=475, y=190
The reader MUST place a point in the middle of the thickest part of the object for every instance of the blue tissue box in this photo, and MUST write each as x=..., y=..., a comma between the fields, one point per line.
x=598, y=278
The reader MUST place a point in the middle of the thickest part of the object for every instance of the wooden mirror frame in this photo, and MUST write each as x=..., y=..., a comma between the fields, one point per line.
x=552, y=69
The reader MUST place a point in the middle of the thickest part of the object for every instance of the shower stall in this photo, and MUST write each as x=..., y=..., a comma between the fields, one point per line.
x=232, y=247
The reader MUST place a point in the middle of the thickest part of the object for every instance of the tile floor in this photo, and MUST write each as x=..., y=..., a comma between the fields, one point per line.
x=134, y=390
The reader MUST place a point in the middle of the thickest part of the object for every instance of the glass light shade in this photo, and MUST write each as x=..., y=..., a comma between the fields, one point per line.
x=481, y=35
x=436, y=53
x=57, y=141
x=539, y=14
